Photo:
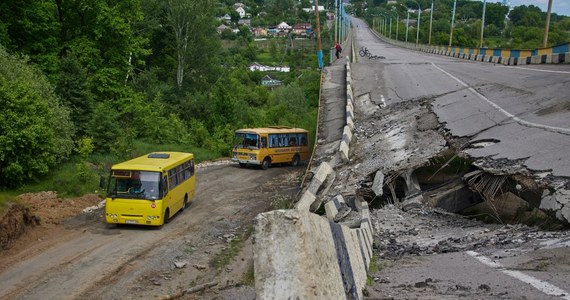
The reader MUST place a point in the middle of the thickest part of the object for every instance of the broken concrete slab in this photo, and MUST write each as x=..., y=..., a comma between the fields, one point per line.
x=558, y=203
x=378, y=184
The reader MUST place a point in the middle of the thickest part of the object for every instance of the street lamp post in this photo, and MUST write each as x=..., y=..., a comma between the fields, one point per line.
x=547, y=25
x=336, y=21
x=407, y=25
x=418, y=30
x=397, y=25
x=390, y=26
x=452, y=22
x=483, y=23
x=430, y=22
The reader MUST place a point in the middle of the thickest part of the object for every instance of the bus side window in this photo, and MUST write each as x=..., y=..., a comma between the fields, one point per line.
x=303, y=140
x=292, y=141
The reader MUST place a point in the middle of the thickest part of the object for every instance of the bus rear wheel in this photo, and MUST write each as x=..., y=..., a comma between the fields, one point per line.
x=296, y=160
x=265, y=164
x=185, y=203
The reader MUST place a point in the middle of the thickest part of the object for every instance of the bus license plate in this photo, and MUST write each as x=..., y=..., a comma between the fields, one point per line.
x=131, y=222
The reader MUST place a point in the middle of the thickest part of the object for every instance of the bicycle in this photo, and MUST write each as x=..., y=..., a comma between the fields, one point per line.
x=364, y=52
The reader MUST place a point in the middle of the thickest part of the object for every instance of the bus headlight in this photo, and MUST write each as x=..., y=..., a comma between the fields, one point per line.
x=252, y=157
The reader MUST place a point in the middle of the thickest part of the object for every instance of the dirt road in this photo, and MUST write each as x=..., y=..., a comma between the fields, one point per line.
x=209, y=242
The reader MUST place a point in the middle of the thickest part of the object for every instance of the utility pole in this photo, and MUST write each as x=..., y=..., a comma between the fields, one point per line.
x=319, y=45
x=483, y=23
x=547, y=26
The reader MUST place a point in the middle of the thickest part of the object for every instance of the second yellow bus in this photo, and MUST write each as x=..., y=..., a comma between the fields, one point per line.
x=270, y=145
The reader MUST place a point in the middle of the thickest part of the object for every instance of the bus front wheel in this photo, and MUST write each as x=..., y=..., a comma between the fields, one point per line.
x=167, y=216
x=265, y=164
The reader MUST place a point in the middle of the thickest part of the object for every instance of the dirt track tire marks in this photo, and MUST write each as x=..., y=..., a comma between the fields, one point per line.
x=96, y=261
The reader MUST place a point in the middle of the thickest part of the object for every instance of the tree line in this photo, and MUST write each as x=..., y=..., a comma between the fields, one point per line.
x=94, y=76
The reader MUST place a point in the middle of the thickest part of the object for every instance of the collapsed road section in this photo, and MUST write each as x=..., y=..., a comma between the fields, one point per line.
x=403, y=153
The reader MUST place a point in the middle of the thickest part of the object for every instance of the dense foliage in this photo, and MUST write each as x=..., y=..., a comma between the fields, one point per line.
x=519, y=28
x=36, y=131
x=115, y=78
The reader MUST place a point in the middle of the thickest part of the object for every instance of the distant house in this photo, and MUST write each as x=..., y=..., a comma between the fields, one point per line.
x=302, y=28
x=226, y=18
x=241, y=11
x=258, y=67
x=245, y=22
x=269, y=82
x=221, y=28
x=330, y=15
x=259, y=32
x=392, y=2
x=284, y=27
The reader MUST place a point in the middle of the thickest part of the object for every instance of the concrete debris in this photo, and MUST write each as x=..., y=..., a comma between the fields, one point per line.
x=180, y=264
x=425, y=231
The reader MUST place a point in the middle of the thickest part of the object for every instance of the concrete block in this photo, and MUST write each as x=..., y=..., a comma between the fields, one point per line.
x=347, y=134
x=332, y=206
x=555, y=58
x=535, y=59
x=295, y=257
x=304, y=204
x=344, y=151
x=350, y=123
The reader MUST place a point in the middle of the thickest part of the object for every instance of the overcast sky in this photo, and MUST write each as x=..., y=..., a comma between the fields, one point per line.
x=561, y=7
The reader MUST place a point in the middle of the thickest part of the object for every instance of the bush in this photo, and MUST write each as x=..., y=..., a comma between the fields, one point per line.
x=35, y=130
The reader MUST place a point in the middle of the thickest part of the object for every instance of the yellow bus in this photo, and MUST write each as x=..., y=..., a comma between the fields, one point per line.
x=150, y=189
x=270, y=145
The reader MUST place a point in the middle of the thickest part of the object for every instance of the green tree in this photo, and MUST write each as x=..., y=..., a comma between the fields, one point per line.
x=35, y=130
x=196, y=41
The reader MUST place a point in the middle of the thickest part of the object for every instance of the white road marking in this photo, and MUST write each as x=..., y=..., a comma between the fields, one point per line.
x=538, y=284
x=508, y=114
x=539, y=70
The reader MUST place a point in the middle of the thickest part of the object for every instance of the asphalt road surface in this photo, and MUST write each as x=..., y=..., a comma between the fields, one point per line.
x=515, y=119
x=522, y=112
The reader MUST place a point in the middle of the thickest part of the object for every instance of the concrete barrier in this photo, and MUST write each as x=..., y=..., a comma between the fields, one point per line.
x=301, y=255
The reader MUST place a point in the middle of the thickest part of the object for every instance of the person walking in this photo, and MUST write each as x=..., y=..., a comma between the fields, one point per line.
x=338, y=49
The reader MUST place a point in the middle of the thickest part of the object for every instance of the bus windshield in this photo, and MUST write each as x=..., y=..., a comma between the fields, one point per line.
x=246, y=140
x=134, y=185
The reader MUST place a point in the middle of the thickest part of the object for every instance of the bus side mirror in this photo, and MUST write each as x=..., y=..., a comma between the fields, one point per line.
x=102, y=181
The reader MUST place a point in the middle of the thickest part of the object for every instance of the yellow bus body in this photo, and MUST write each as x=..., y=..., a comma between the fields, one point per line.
x=166, y=185
x=271, y=145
